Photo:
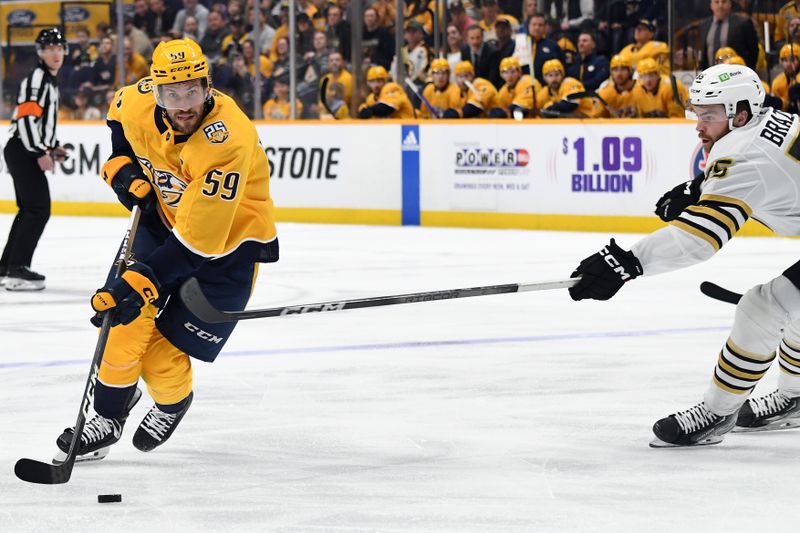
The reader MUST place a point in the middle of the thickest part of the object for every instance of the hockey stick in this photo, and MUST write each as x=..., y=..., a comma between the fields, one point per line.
x=712, y=290
x=323, y=93
x=194, y=299
x=422, y=99
x=34, y=471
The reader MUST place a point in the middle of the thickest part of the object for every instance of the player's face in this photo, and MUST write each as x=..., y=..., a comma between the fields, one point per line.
x=376, y=85
x=790, y=64
x=53, y=56
x=621, y=75
x=184, y=104
x=712, y=124
x=462, y=79
x=650, y=80
x=441, y=78
x=553, y=79
x=510, y=75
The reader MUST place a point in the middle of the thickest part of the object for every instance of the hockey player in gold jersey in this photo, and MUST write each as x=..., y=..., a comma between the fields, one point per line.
x=783, y=82
x=617, y=91
x=441, y=94
x=478, y=94
x=386, y=99
x=653, y=95
x=517, y=97
x=190, y=158
x=554, y=100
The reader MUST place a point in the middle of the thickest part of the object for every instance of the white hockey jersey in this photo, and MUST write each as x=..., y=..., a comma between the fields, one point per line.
x=752, y=171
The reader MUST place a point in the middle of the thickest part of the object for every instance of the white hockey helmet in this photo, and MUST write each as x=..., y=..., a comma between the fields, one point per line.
x=727, y=85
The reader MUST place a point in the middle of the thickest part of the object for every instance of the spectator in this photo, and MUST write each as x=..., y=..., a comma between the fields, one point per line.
x=790, y=61
x=477, y=94
x=321, y=52
x=265, y=66
x=481, y=55
x=305, y=35
x=281, y=63
x=338, y=74
x=505, y=44
x=279, y=107
x=240, y=86
x=554, y=99
x=528, y=10
x=793, y=29
x=617, y=92
x=491, y=14
x=786, y=13
x=80, y=75
x=195, y=9
x=386, y=12
x=415, y=54
x=574, y=15
x=335, y=102
x=417, y=11
x=570, y=53
x=337, y=31
x=211, y=43
x=140, y=41
x=81, y=108
x=105, y=66
x=282, y=31
x=460, y=19
x=517, y=97
x=724, y=29
x=653, y=95
x=590, y=69
x=644, y=46
x=454, y=44
x=136, y=66
x=81, y=47
x=267, y=32
x=162, y=21
x=190, y=28
x=543, y=48
x=142, y=16
x=377, y=41
x=235, y=39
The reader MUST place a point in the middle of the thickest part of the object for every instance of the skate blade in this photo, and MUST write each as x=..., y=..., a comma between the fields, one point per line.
x=779, y=425
x=96, y=455
x=658, y=443
x=12, y=284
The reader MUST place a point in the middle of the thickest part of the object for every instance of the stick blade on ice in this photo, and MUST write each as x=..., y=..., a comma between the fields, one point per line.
x=42, y=473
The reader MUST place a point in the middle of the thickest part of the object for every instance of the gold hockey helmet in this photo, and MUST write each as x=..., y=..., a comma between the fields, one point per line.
x=178, y=61
x=552, y=64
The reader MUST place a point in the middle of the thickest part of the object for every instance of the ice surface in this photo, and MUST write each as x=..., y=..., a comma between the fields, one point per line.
x=520, y=413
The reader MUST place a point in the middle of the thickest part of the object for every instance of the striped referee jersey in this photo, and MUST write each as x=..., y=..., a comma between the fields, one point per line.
x=34, y=118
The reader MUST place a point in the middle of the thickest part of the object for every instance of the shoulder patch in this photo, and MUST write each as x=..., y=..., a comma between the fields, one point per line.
x=145, y=85
x=216, y=132
x=719, y=168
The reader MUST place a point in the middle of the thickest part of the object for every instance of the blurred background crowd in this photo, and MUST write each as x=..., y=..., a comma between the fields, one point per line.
x=458, y=58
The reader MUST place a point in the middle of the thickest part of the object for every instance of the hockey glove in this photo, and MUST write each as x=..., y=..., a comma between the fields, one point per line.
x=126, y=295
x=673, y=203
x=604, y=273
x=129, y=183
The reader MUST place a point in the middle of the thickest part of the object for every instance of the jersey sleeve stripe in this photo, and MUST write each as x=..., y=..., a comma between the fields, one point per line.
x=699, y=231
x=727, y=201
x=734, y=215
x=714, y=217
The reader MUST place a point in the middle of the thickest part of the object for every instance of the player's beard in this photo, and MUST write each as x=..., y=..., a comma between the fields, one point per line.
x=186, y=121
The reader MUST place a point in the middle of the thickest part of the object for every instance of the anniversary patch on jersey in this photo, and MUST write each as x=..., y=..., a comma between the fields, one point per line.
x=719, y=168
x=145, y=85
x=216, y=132
x=169, y=186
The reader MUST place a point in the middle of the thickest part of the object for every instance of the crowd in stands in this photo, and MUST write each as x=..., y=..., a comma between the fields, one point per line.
x=497, y=58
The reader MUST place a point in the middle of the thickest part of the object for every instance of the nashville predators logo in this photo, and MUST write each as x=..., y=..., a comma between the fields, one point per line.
x=145, y=85
x=216, y=133
x=169, y=186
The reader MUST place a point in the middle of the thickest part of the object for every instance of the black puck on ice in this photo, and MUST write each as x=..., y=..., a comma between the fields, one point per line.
x=109, y=498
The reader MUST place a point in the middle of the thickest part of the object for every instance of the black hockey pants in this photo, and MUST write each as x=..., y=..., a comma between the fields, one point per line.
x=33, y=201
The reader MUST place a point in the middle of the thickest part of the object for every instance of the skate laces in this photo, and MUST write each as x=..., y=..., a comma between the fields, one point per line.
x=97, y=429
x=769, y=404
x=157, y=422
x=695, y=418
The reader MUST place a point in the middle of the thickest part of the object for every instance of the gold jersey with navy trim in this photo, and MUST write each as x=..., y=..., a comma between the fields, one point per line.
x=213, y=185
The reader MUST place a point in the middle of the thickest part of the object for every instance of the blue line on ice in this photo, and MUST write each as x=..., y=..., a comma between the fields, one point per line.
x=571, y=336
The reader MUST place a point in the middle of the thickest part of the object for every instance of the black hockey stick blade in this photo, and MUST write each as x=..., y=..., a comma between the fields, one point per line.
x=192, y=296
x=34, y=471
x=712, y=290
x=323, y=95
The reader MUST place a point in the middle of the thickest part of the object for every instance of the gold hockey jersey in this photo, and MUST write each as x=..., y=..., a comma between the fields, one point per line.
x=213, y=185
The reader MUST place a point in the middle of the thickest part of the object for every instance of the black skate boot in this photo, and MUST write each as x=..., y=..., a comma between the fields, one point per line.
x=22, y=278
x=694, y=427
x=157, y=426
x=99, y=434
x=769, y=413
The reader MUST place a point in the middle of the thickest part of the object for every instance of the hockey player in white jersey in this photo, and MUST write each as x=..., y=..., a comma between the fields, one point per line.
x=753, y=171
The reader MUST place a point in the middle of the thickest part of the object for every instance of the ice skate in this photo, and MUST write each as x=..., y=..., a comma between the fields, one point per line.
x=99, y=434
x=772, y=412
x=157, y=426
x=694, y=427
x=22, y=278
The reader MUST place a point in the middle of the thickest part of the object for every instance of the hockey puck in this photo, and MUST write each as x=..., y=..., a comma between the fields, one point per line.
x=109, y=498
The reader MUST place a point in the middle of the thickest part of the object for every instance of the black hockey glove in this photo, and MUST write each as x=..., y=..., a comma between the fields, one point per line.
x=673, y=203
x=126, y=295
x=604, y=273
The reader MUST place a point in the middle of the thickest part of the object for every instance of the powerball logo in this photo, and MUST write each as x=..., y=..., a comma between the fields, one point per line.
x=477, y=160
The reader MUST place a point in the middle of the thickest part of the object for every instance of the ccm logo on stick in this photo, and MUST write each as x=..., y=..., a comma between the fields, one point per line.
x=320, y=308
x=206, y=336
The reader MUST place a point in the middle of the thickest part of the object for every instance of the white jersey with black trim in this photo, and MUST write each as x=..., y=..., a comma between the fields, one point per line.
x=752, y=171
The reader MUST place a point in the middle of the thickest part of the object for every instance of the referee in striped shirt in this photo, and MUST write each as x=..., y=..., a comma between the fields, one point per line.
x=31, y=151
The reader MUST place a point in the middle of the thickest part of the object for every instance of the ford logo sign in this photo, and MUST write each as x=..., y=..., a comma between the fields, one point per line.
x=21, y=17
x=75, y=14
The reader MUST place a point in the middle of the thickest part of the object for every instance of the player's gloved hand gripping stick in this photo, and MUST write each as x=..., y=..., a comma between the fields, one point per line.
x=34, y=471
